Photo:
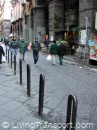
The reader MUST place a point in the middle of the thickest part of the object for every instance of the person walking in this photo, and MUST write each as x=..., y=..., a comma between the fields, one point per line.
x=46, y=44
x=61, y=52
x=13, y=44
x=75, y=45
x=54, y=51
x=4, y=49
x=35, y=46
x=1, y=53
x=22, y=48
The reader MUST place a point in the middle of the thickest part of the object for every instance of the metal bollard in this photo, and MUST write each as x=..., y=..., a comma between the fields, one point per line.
x=11, y=59
x=71, y=112
x=41, y=94
x=20, y=67
x=8, y=56
x=6, y=53
x=14, y=64
x=28, y=81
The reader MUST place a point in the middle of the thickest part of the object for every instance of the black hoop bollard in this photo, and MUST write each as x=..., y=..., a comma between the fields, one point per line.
x=71, y=112
x=8, y=56
x=11, y=59
x=20, y=67
x=41, y=94
x=14, y=64
x=28, y=81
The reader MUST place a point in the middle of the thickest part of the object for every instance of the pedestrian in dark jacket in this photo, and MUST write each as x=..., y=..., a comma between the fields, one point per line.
x=22, y=48
x=14, y=47
x=46, y=44
x=35, y=46
x=1, y=53
x=54, y=51
x=61, y=52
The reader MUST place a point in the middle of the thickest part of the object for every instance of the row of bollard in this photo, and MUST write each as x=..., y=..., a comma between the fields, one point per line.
x=41, y=81
x=72, y=99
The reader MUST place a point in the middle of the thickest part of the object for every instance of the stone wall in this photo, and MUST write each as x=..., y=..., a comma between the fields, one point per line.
x=59, y=10
x=87, y=9
x=51, y=19
x=56, y=17
x=39, y=24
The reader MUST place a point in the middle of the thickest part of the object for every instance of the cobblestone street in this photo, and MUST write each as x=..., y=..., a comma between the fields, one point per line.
x=60, y=81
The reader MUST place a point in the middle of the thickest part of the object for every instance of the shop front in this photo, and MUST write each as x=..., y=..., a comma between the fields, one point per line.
x=93, y=50
x=71, y=40
x=86, y=53
x=71, y=25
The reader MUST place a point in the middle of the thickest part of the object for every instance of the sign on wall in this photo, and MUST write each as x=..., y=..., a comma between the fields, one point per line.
x=83, y=37
x=96, y=21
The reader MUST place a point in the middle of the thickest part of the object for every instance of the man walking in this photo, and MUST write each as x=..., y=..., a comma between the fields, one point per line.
x=46, y=44
x=61, y=52
x=22, y=48
x=35, y=47
x=54, y=51
x=14, y=47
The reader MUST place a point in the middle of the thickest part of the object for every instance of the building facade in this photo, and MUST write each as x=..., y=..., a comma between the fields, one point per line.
x=57, y=19
x=32, y=20
x=16, y=18
x=5, y=18
x=73, y=20
x=70, y=16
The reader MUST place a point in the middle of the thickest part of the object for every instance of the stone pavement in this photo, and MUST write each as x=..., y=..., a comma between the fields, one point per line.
x=14, y=103
x=17, y=109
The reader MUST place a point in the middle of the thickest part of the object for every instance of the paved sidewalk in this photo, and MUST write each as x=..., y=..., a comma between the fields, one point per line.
x=15, y=111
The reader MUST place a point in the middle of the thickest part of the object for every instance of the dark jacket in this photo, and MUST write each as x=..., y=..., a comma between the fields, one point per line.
x=46, y=43
x=22, y=47
x=13, y=44
x=1, y=53
x=36, y=46
x=61, y=49
x=54, y=49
